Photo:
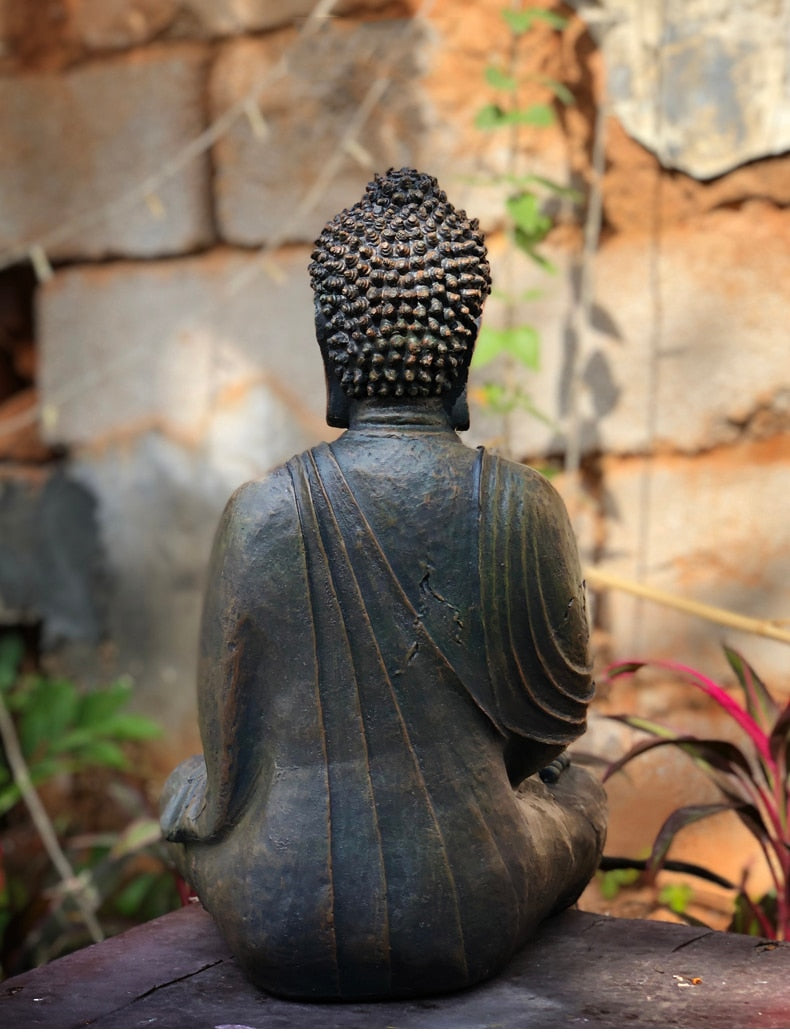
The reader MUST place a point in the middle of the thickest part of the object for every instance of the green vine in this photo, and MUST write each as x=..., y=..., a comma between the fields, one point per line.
x=527, y=220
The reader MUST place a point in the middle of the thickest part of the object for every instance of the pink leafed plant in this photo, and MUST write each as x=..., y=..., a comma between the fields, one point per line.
x=754, y=784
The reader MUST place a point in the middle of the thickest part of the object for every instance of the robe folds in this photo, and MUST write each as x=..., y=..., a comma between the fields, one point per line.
x=373, y=684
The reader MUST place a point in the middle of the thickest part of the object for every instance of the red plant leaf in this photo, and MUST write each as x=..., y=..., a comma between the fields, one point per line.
x=779, y=740
x=715, y=754
x=759, y=702
x=753, y=821
x=716, y=693
x=676, y=821
x=627, y=667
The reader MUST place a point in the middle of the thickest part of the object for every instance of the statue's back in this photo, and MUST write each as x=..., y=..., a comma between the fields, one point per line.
x=394, y=638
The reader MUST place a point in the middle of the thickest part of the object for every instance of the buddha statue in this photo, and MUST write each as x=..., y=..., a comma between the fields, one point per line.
x=394, y=646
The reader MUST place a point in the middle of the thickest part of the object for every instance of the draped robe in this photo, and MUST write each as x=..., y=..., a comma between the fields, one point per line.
x=377, y=672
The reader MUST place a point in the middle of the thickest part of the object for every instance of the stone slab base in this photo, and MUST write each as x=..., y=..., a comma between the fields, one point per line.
x=582, y=970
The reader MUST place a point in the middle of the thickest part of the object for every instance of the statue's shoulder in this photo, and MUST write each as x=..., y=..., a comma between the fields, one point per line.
x=270, y=492
x=536, y=490
x=259, y=513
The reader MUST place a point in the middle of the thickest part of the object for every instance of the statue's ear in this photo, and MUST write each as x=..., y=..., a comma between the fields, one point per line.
x=337, y=401
x=456, y=405
x=455, y=401
x=338, y=409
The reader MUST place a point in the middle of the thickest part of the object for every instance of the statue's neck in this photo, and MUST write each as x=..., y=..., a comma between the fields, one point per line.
x=418, y=414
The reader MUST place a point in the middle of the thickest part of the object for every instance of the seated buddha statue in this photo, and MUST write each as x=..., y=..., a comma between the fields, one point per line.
x=394, y=646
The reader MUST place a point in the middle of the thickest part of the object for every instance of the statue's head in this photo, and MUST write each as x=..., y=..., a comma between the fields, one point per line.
x=399, y=280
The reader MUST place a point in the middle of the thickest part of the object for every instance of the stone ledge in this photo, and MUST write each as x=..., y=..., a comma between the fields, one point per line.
x=582, y=970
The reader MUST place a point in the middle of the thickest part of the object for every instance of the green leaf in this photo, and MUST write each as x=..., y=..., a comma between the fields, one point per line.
x=40, y=770
x=500, y=80
x=556, y=188
x=11, y=652
x=499, y=399
x=131, y=727
x=130, y=899
x=9, y=796
x=522, y=21
x=105, y=754
x=51, y=709
x=487, y=348
x=143, y=832
x=559, y=89
x=523, y=242
x=676, y=896
x=524, y=210
x=96, y=707
x=613, y=881
x=492, y=116
x=540, y=115
x=522, y=342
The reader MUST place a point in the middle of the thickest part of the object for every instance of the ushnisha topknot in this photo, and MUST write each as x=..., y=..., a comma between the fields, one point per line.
x=400, y=279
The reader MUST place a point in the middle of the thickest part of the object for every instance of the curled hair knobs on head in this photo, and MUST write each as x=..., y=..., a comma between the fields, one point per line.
x=400, y=280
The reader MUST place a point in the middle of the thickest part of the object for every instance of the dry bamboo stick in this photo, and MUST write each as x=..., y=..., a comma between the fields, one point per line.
x=766, y=628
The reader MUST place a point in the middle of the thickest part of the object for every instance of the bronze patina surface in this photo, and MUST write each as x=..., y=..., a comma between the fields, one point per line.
x=394, y=643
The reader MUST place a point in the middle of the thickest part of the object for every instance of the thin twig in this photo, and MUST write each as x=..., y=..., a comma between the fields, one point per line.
x=172, y=166
x=81, y=384
x=766, y=628
x=581, y=317
x=32, y=800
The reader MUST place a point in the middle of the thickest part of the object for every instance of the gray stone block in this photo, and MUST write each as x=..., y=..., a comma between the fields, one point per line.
x=686, y=348
x=129, y=346
x=262, y=178
x=703, y=84
x=158, y=502
x=714, y=532
x=174, y=390
x=116, y=24
x=72, y=143
x=51, y=562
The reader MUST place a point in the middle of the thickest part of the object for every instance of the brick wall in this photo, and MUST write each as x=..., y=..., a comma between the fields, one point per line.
x=167, y=358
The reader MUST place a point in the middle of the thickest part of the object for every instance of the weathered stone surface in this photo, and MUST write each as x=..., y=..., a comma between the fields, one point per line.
x=640, y=196
x=175, y=390
x=262, y=178
x=701, y=347
x=51, y=562
x=70, y=144
x=101, y=24
x=115, y=24
x=703, y=83
x=159, y=503
x=687, y=347
x=713, y=531
x=20, y=433
x=159, y=344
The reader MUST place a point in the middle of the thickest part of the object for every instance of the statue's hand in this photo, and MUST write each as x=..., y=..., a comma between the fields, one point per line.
x=183, y=801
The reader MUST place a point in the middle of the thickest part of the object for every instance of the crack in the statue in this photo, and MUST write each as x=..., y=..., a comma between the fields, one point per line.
x=567, y=615
x=427, y=589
